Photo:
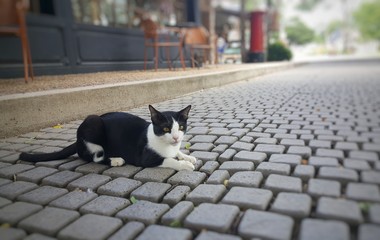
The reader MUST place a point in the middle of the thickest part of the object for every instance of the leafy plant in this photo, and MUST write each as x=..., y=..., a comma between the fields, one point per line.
x=278, y=52
x=367, y=18
x=298, y=32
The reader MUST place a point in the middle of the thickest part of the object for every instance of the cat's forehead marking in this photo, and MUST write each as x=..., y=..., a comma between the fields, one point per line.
x=175, y=126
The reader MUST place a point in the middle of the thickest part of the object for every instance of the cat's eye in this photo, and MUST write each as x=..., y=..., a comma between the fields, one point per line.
x=181, y=127
x=166, y=129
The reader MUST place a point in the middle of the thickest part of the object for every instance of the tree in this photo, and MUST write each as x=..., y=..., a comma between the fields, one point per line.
x=298, y=33
x=367, y=18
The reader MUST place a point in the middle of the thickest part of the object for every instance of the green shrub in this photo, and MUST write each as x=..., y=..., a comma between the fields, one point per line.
x=278, y=52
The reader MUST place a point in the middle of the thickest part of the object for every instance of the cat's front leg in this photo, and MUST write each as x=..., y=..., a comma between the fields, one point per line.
x=177, y=165
x=182, y=156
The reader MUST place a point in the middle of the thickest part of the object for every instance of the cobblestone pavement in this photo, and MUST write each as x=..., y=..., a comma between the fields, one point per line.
x=291, y=155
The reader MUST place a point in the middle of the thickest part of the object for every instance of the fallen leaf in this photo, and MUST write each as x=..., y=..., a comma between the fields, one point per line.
x=5, y=225
x=225, y=182
x=58, y=126
x=176, y=224
x=187, y=146
x=364, y=206
x=133, y=200
x=304, y=162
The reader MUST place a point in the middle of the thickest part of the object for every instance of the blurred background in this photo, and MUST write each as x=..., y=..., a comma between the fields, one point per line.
x=79, y=36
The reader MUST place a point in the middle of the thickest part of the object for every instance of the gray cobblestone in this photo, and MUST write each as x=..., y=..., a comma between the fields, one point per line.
x=246, y=198
x=356, y=164
x=221, y=148
x=277, y=226
x=323, y=161
x=127, y=171
x=368, y=232
x=316, y=229
x=128, y=232
x=17, y=211
x=297, y=205
x=218, y=177
x=92, y=168
x=104, y=205
x=364, y=155
x=292, y=160
x=10, y=171
x=363, y=192
x=203, y=139
x=303, y=151
x=339, y=209
x=265, y=140
x=270, y=148
x=370, y=177
x=332, y=153
x=245, y=179
x=176, y=195
x=374, y=213
x=42, y=195
x=242, y=146
x=209, y=167
x=73, y=200
x=154, y=174
x=61, y=179
x=236, y=166
x=210, y=235
x=42, y=222
x=205, y=156
x=316, y=144
x=214, y=217
x=12, y=233
x=36, y=174
x=255, y=157
x=72, y=165
x=38, y=236
x=206, y=193
x=321, y=187
x=151, y=191
x=91, y=226
x=267, y=168
x=4, y=202
x=143, y=211
x=191, y=179
x=4, y=181
x=119, y=187
x=339, y=174
x=12, y=190
x=229, y=140
x=90, y=181
x=280, y=183
x=227, y=155
x=152, y=231
x=178, y=213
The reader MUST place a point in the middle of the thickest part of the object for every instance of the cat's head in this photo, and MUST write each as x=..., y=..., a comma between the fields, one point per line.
x=170, y=126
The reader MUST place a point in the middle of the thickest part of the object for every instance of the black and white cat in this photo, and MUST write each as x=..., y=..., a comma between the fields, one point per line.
x=117, y=138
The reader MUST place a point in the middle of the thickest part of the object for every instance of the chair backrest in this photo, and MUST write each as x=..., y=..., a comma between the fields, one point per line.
x=150, y=28
x=197, y=35
x=11, y=10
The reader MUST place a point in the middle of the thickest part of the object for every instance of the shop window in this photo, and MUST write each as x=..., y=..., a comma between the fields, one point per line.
x=41, y=7
x=128, y=13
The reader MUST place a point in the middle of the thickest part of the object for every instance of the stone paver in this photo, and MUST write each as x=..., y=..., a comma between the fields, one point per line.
x=215, y=217
x=91, y=226
x=276, y=226
x=315, y=229
x=291, y=155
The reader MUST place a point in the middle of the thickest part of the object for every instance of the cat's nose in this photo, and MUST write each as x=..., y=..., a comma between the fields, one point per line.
x=176, y=138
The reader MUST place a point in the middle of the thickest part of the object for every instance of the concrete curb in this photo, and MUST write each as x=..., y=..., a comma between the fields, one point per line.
x=27, y=112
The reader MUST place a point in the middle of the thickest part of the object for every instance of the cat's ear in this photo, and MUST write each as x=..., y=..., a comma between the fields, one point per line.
x=155, y=115
x=184, y=113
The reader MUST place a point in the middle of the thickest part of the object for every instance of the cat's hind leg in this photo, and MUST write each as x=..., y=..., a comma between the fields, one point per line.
x=91, y=139
x=117, y=162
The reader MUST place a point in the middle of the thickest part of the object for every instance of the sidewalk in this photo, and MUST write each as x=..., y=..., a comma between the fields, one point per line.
x=288, y=155
x=49, y=101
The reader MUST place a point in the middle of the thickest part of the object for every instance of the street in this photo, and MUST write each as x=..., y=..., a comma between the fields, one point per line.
x=288, y=155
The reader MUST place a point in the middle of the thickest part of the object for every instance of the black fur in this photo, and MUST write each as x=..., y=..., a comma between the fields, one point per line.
x=120, y=134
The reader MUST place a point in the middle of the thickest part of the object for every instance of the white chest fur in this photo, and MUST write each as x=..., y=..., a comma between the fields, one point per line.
x=160, y=146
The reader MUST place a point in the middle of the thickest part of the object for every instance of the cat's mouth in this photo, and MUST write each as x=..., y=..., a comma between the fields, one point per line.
x=175, y=143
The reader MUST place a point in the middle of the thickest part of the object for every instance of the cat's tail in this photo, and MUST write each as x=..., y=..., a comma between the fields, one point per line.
x=41, y=157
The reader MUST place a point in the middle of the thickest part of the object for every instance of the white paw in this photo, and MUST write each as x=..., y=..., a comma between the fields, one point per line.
x=185, y=165
x=190, y=159
x=117, y=162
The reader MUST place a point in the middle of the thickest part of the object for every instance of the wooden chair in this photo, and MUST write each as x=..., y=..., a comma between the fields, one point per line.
x=12, y=22
x=198, y=38
x=152, y=40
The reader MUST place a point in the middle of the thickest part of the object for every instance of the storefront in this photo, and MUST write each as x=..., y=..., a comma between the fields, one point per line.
x=78, y=36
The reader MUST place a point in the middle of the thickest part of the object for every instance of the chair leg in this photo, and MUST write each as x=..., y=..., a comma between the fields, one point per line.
x=181, y=57
x=30, y=60
x=25, y=57
x=155, y=57
x=192, y=57
x=145, y=56
x=167, y=52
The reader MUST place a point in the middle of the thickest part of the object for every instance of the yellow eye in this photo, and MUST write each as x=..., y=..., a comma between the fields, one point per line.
x=181, y=127
x=166, y=129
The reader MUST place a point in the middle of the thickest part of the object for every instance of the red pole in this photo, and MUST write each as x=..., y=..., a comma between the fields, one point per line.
x=256, y=51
